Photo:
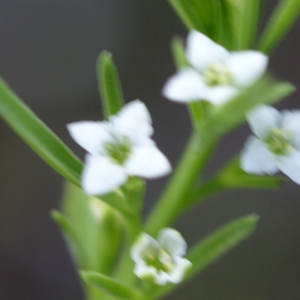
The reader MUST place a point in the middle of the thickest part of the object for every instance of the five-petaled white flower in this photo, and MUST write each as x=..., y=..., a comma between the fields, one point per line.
x=160, y=261
x=118, y=148
x=215, y=74
x=276, y=145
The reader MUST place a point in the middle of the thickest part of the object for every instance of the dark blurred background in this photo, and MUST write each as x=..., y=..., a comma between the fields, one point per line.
x=47, y=54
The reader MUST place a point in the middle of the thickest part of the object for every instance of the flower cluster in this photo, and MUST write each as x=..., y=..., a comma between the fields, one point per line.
x=276, y=143
x=160, y=261
x=122, y=147
x=214, y=74
x=118, y=148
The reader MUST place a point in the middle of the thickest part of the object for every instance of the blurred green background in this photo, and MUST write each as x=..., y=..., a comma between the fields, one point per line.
x=48, y=53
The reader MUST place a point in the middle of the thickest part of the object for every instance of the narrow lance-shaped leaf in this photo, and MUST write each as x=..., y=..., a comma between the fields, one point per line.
x=242, y=18
x=220, y=242
x=188, y=14
x=226, y=117
x=96, y=226
x=38, y=136
x=117, y=200
x=279, y=24
x=251, y=13
x=178, y=52
x=202, y=15
x=76, y=246
x=109, y=285
x=215, y=246
x=109, y=85
x=231, y=176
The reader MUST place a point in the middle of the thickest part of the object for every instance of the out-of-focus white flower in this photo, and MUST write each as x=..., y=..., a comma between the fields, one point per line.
x=118, y=148
x=215, y=74
x=276, y=144
x=160, y=261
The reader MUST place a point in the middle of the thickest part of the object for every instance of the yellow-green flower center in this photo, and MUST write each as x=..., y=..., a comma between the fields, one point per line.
x=217, y=74
x=119, y=150
x=161, y=260
x=279, y=141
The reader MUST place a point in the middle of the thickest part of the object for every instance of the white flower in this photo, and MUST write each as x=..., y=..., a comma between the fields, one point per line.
x=215, y=74
x=276, y=145
x=160, y=261
x=119, y=148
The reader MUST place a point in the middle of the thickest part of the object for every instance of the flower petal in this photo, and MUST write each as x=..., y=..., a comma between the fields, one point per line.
x=135, y=110
x=290, y=165
x=291, y=122
x=218, y=95
x=137, y=131
x=90, y=135
x=179, y=270
x=262, y=119
x=150, y=274
x=101, y=176
x=185, y=86
x=172, y=241
x=257, y=159
x=202, y=51
x=133, y=121
x=144, y=244
x=161, y=278
x=147, y=162
x=246, y=66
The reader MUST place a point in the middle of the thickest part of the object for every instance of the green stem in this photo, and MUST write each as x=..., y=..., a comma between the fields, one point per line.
x=124, y=271
x=281, y=21
x=188, y=170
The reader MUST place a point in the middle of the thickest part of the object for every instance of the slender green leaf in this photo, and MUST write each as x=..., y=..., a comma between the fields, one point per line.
x=279, y=24
x=109, y=285
x=109, y=85
x=241, y=18
x=92, y=232
x=227, y=117
x=75, y=244
x=202, y=15
x=231, y=23
x=215, y=246
x=117, y=200
x=251, y=13
x=96, y=226
x=38, y=136
x=220, y=242
x=232, y=176
x=178, y=52
x=188, y=14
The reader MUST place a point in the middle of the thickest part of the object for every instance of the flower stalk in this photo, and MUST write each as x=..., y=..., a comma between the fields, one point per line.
x=185, y=176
